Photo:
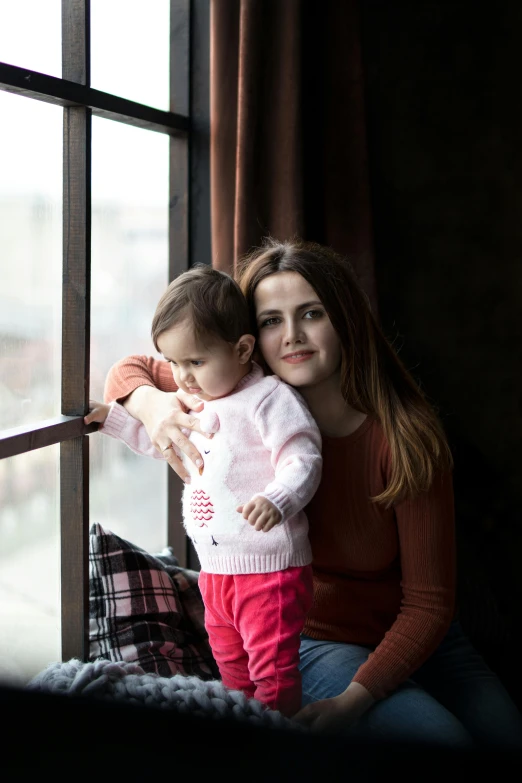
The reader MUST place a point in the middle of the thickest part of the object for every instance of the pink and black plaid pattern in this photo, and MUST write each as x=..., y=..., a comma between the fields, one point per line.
x=145, y=609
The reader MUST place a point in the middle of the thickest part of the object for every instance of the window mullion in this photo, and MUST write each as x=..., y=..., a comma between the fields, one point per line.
x=178, y=222
x=74, y=454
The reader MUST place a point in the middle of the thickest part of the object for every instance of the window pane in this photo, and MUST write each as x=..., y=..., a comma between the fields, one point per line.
x=128, y=493
x=129, y=274
x=130, y=50
x=30, y=625
x=31, y=253
x=31, y=35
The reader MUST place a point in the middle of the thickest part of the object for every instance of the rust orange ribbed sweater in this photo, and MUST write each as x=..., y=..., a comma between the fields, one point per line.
x=382, y=578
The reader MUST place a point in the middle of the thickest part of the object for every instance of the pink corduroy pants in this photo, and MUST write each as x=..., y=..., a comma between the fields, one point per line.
x=254, y=623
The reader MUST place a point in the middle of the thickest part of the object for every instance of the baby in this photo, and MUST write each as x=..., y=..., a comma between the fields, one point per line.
x=261, y=468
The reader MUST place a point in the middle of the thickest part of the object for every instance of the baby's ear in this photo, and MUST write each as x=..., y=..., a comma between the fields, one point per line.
x=245, y=346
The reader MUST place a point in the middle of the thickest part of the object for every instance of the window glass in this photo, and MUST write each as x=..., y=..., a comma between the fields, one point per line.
x=30, y=624
x=129, y=274
x=31, y=35
x=31, y=252
x=131, y=50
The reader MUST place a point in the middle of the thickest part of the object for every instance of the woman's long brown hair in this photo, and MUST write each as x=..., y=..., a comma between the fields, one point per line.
x=373, y=378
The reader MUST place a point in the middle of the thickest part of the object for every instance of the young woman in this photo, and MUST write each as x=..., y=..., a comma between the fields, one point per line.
x=382, y=654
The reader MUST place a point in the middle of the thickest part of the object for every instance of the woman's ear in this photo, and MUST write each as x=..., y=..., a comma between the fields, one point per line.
x=244, y=346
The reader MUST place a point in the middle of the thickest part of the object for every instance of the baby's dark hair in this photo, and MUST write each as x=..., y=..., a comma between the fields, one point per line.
x=210, y=299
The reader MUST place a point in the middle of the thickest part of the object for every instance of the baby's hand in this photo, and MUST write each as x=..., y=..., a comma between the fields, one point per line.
x=98, y=412
x=260, y=513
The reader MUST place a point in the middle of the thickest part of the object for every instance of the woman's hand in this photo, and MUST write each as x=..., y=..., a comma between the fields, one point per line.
x=164, y=416
x=339, y=712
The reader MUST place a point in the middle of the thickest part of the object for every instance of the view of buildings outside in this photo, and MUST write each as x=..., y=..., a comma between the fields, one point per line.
x=129, y=273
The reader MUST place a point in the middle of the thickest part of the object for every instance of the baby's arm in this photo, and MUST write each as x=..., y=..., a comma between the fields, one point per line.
x=290, y=432
x=116, y=422
x=261, y=513
x=98, y=412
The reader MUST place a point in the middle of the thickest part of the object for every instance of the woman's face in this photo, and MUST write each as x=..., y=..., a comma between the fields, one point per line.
x=296, y=336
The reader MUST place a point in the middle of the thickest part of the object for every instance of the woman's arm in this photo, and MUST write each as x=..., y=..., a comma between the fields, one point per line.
x=427, y=553
x=426, y=530
x=137, y=371
x=146, y=389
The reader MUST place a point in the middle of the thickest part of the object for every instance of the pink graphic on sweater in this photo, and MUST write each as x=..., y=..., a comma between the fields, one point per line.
x=201, y=508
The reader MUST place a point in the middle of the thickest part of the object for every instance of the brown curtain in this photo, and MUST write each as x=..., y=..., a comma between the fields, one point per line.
x=288, y=148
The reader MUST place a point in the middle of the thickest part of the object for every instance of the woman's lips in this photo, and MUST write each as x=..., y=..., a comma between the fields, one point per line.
x=297, y=358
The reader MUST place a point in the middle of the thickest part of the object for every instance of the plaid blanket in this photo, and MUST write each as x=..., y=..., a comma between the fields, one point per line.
x=145, y=609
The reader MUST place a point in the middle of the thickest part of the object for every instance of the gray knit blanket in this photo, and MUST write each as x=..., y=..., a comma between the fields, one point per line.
x=128, y=682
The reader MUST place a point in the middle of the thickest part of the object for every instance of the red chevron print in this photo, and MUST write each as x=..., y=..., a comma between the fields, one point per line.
x=201, y=507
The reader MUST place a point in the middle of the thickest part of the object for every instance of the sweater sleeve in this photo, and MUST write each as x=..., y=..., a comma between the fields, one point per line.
x=120, y=425
x=427, y=555
x=289, y=431
x=133, y=371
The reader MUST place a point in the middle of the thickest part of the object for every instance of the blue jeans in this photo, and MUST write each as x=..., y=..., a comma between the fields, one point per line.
x=453, y=699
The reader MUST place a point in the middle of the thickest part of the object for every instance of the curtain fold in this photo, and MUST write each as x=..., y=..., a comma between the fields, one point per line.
x=288, y=138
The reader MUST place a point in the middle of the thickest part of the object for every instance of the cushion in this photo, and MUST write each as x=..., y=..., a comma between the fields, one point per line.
x=145, y=609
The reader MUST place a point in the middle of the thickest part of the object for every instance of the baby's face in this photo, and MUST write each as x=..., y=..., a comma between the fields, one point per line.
x=210, y=371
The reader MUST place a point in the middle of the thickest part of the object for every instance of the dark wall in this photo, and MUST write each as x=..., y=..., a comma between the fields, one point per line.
x=444, y=122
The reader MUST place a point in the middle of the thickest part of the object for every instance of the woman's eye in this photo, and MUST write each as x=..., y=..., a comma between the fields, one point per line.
x=173, y=363
x=313, y=314
x=197, y=363
x=269, y=322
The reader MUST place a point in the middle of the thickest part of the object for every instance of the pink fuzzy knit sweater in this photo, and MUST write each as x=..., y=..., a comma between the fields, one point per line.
x=265, y=443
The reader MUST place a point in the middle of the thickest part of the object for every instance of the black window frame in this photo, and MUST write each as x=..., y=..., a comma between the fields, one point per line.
x=188, y=125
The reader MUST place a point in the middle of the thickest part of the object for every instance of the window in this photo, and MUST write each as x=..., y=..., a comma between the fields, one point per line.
x=104, y=198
